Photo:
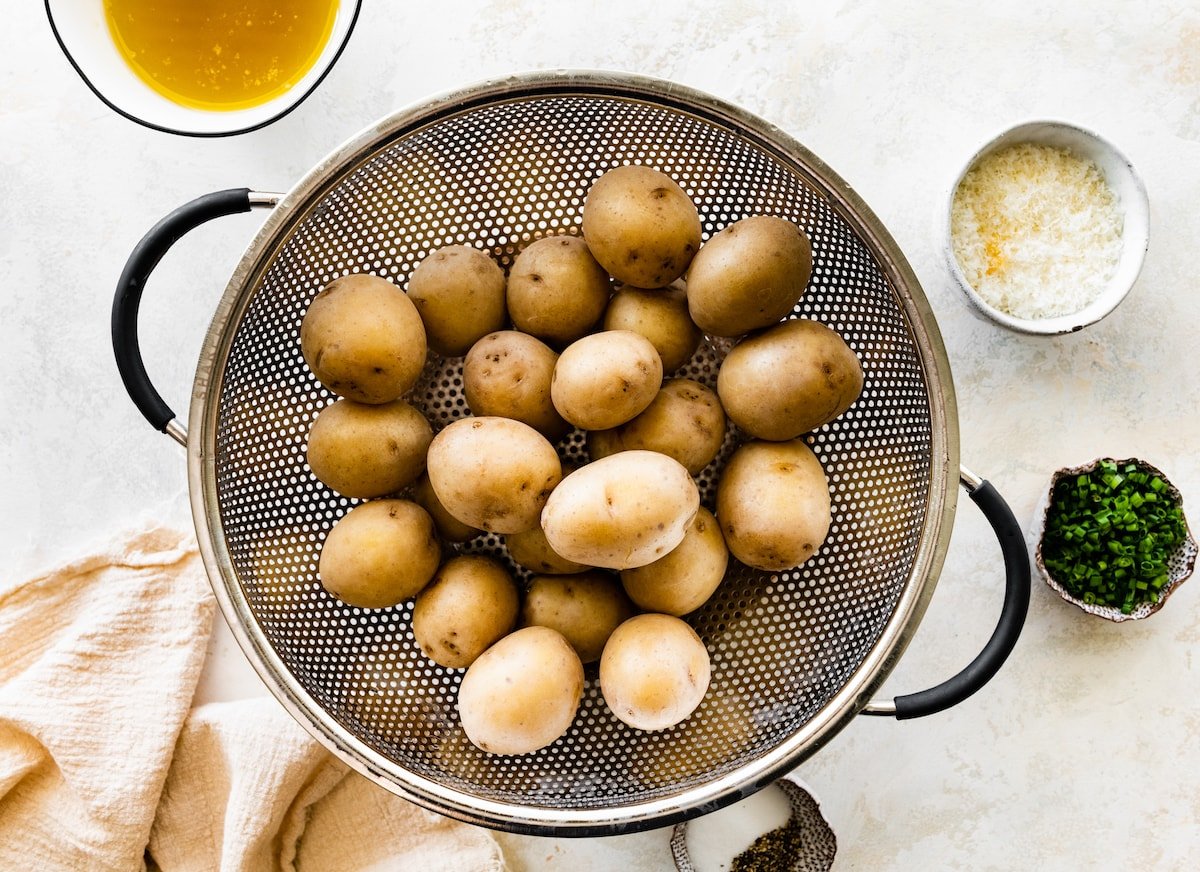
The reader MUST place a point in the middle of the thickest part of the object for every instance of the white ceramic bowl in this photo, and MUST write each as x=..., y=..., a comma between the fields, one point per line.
x=83, y=35
x=1125, y=183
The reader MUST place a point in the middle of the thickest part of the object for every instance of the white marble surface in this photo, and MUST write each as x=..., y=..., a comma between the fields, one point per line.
x=1085, y=751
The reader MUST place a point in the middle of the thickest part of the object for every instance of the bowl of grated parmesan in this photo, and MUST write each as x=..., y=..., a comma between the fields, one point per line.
x=1047, y=228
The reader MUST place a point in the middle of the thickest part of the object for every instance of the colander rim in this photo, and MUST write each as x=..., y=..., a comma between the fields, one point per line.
x=523, y=818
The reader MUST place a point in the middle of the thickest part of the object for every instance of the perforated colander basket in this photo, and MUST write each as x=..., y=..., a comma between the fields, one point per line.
x=795, y=654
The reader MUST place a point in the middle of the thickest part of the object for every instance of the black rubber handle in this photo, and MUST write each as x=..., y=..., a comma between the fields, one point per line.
x=141, y=263
x=1012, y=616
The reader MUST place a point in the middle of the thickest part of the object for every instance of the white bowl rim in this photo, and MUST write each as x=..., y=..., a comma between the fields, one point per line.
x=207, y=134
x=1110, y=298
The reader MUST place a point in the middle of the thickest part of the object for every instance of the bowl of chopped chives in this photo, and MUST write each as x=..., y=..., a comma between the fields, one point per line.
x=1113, y=538
x=1046, y=228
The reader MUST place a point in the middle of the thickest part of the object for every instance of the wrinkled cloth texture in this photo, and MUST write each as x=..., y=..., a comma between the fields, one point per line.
x=98, y=663
x=249, y=790
x=104, y=766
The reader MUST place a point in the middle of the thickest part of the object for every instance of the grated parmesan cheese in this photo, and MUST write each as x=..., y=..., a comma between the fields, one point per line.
x=1036, y=230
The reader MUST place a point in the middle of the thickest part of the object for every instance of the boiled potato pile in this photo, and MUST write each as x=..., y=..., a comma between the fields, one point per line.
x=619, y=550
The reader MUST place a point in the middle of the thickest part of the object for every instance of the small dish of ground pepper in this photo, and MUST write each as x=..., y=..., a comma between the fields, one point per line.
x=1114, y=540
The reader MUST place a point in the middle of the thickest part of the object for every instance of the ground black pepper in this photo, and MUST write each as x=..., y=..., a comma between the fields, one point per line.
x=775, y=851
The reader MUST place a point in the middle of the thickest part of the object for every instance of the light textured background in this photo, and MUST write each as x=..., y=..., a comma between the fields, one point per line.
x=1085, y=751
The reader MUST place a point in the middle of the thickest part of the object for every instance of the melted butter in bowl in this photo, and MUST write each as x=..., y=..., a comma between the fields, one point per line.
x=222, y=55
x=202, y=67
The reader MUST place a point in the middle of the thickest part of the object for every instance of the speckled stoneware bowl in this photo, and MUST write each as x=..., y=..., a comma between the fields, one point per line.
x=1125, y=182
x=1181, y=564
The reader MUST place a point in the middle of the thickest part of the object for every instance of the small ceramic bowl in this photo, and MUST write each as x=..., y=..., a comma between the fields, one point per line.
x=83, y=35
x=1124, y=181
x=1180, y=565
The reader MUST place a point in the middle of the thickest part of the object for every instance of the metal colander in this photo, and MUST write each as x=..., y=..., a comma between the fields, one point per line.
x=794, y=654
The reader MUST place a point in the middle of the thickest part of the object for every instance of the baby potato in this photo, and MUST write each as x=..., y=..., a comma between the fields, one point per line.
x=749, y=275
x=450, y=528
x=621, y=511
x=654, y=671
x=522, y=693
x=585, y=608
x=659, y=315
x=531, y=550
x=773, y=504
x=682, y=580
x=641, y=226
x=459, y=293
x=789, y=380
x=556, y=290
x=508, y=374
x=469, y=606
x=684, y=421
x=363, y=339
x=603, y=443
x=493, y=473
x=605, y=379
x=379, y=554
x=363, y=450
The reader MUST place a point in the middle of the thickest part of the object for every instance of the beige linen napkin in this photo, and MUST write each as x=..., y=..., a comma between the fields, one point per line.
x=250, y=790
x=98, y=664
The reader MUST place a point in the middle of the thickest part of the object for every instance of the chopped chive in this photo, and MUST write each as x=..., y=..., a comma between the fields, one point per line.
x=1110, y=535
